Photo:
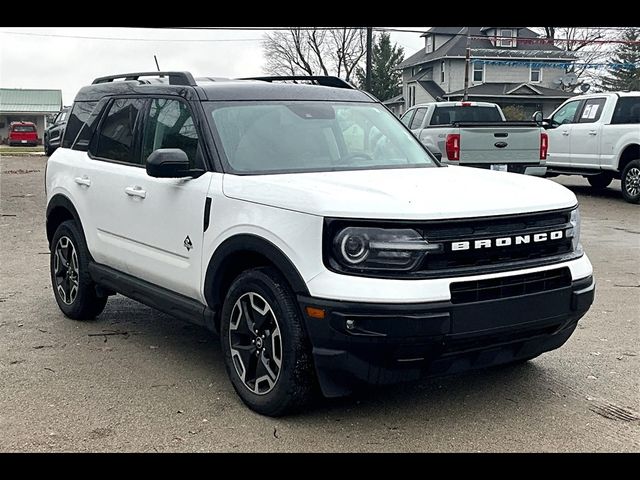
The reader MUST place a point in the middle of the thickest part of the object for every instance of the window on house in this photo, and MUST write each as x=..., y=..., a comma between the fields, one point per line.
x=442, y=72
x=413, y=95
x=429, y=43
x=535, y=74
x=478, y=72
x=507, y=38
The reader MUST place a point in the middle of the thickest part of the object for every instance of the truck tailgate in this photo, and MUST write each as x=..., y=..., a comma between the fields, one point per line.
x=491, y=145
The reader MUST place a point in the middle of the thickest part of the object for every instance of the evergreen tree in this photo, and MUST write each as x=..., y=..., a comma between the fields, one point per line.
x=625, y=77
x=386, y=79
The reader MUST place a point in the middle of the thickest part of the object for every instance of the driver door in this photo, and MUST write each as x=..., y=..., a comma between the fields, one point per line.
x=559, y=133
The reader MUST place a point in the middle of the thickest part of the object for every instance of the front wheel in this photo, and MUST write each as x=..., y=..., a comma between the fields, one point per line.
x=600, y=181
x=631, y=182
x=266, y=351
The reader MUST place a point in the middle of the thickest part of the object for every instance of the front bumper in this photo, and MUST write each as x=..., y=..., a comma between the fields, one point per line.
x=372, y=343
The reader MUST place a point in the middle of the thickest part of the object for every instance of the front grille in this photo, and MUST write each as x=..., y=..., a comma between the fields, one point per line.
x=478, y=259
x=514, y=286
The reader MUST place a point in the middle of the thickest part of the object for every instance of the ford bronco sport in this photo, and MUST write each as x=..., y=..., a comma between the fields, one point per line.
x=307, y=226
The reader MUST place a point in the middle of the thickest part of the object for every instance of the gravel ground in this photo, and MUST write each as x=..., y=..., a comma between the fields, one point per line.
x=152, y=383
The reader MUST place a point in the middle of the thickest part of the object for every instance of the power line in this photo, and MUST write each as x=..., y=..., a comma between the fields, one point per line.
x=31, y=34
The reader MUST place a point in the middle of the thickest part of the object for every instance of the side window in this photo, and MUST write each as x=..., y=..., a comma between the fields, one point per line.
x=592, y=110
x=115, y=139
x=418, y=118
x=77, y=117
x=406, y=118
x=170, y=125
x=627, y=111
x=566, y=114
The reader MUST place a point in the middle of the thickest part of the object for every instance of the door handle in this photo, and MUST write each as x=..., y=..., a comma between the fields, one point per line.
x=83, y=180
x=593, y=132
x=565, y=133
x=135, y=191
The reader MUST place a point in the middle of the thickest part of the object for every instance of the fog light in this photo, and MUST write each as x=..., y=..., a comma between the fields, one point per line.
x=351, y=324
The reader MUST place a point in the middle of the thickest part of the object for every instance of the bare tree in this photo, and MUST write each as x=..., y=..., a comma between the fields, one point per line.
x=314, y=51
x=585, y=43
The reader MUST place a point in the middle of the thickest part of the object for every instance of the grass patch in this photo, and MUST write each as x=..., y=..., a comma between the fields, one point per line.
x=6, y=150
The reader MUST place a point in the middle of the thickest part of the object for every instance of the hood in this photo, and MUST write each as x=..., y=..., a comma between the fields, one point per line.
x=413, y=193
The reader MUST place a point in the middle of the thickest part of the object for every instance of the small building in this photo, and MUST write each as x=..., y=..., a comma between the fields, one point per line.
x=28, y=105
x=395, y=104
x=511, y=66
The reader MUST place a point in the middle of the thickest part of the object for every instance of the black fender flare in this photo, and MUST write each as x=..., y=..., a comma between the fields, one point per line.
x=60, y=200
x=248, y=243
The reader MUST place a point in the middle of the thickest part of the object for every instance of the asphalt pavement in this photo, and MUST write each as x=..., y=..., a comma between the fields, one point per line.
x=138, y=380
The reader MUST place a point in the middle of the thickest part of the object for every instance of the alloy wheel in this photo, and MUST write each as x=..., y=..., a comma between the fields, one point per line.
x=65, y=267
x=256, y=343
x=632, y=181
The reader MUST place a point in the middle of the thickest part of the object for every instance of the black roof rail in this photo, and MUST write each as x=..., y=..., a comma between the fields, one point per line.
x=175, y=78
x=324, y=80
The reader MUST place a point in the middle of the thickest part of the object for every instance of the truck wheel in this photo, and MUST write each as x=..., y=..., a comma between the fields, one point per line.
x=266, y=351
x=600, y=181
x=631, y=182
x=73, y=288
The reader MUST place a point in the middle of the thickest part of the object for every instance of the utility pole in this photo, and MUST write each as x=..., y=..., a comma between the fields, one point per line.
x=367, y=85
x=467, y=66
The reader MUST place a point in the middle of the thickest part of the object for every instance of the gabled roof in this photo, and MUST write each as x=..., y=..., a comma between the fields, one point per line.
x=393, y=100
x=432, y=88
x=23, y=100
x=457, y=44
x=511, y=89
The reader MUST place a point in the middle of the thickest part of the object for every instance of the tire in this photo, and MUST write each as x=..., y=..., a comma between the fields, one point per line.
x=630, y=182
x=81, y=302
x=600, y=181
x=274, y=313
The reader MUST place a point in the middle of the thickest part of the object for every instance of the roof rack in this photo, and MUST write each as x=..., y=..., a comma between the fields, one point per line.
x=324, y=80
x=175, y=78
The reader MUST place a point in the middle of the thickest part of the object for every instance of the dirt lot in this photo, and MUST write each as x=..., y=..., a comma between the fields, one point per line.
x=152, y=383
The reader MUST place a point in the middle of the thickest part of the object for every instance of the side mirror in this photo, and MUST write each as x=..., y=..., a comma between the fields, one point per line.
x=170, y=163
x=537, y=117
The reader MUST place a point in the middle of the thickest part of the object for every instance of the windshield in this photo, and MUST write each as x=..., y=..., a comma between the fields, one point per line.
x=448, y=115
x=288, y=137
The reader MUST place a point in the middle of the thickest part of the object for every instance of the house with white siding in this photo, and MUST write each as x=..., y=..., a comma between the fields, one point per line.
x=511, y=66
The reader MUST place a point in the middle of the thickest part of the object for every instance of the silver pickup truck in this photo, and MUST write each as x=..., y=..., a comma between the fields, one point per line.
x=476, y=134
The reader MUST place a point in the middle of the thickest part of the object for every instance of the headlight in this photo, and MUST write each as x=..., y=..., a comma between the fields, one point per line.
x=364, y=248
x=574, y=231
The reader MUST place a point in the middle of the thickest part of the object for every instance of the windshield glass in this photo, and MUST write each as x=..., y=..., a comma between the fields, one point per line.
x=288, y=137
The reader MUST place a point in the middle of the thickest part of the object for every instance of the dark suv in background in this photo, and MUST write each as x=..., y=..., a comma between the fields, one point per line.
x=53, y=134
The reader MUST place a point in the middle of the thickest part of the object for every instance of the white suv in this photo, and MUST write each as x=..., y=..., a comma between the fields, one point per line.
x=309, y=228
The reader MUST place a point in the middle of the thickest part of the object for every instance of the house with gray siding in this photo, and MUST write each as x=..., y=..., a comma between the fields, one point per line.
x=511, y=66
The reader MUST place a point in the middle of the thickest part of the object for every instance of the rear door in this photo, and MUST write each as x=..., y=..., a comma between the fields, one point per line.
x=559, y=131
x=586, y=135
x=161, y=222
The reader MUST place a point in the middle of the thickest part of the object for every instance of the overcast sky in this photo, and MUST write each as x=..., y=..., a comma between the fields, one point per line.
x=44, y=58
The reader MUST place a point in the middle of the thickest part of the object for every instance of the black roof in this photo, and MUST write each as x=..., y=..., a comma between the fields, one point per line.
x=457, y=44
x=222, y=89
x=432, y=88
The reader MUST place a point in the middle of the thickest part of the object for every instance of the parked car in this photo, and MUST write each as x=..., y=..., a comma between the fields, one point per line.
x=598, y=136
x=54, y=132
x=311, y=229
x=22, y=133
x=476, y=134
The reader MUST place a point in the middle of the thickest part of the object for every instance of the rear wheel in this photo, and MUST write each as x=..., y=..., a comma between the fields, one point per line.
x=266, y=351
x=600, y=181
x=73, y=288
x=631, y=182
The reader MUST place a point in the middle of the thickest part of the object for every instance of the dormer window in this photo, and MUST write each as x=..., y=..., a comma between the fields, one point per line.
x=506, y=38
x=429, y=44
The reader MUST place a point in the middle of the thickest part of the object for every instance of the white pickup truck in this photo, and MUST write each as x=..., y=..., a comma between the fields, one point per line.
x=476, y=134
x=597, y=136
